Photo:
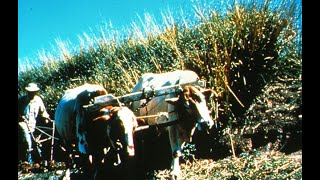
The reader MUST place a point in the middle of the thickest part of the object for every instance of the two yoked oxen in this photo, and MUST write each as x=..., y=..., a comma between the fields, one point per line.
x=97, y=133
x=188, y=108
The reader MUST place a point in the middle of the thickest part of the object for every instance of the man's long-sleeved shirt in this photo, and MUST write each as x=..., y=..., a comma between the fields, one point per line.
x=29, y=110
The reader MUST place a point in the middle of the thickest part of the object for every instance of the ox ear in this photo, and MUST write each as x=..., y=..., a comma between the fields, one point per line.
x=141, y=121
x=101, y=92
x=172, y=101
x=209, y=93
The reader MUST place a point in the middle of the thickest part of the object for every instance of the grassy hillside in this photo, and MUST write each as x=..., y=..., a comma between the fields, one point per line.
x=238, y=51
x=250, y=53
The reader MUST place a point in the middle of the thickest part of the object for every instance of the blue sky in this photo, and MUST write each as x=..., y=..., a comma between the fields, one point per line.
x=41, y=22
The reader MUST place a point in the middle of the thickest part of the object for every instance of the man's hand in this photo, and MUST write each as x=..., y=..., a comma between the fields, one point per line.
x=22, y=118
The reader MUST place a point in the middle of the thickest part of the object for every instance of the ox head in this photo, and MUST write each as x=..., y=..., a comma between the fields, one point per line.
x=121, y=125
x=87, y=96
x=192, y=104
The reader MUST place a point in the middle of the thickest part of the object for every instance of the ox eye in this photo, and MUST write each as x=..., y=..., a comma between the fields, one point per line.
x=197, y=99
x=187, y=103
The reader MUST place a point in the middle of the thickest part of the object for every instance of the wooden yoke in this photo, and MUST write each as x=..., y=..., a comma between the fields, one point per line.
x=109, y=99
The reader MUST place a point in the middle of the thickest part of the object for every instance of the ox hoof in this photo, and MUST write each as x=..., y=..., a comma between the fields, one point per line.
x=175, y=176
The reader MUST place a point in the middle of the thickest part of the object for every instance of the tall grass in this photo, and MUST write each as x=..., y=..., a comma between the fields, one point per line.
x=237, y=50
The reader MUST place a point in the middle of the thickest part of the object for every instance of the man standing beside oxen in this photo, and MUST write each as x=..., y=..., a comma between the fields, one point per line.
x=30, y=109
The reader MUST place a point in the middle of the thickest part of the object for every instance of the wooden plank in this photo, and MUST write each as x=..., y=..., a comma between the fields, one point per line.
x=109, y=99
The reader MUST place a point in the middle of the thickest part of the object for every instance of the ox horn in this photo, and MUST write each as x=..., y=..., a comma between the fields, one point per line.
x=172, y=101
x=209, y=93
x=107, y=113
x=104, y=117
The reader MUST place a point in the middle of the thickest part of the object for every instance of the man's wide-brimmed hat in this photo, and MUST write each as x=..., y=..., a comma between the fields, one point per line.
x=32, y=87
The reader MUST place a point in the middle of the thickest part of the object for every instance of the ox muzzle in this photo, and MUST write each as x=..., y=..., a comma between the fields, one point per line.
x=204, y=125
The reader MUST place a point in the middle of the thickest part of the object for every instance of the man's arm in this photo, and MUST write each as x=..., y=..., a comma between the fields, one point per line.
x=43, y=112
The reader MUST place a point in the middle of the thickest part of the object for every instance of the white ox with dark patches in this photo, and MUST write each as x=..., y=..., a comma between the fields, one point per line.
x=69, y=114
x=188, y=107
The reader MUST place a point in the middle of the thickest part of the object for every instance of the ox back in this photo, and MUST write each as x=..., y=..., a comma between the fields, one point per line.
x=151, y=80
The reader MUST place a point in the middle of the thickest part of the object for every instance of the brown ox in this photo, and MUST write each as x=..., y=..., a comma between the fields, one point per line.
x=189, y=108
x=108, y=129
x=110, y=135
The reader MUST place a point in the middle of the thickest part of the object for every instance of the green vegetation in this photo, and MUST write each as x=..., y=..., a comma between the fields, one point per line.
x=241, y=51
x=246, y=43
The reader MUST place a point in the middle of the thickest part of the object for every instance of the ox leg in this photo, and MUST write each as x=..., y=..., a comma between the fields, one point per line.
x=175, y=143
x=72, y=156
x=69, y=154
x=97, y=165
x=85, y=164
x=175, y=173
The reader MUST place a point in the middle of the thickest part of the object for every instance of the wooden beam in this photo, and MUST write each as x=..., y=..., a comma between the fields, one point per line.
x=109, y=99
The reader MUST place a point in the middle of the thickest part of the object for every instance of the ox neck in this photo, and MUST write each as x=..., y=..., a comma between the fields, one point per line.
x=184, y=119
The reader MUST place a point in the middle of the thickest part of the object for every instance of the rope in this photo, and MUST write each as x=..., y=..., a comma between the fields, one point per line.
x=46, y=133
x=149, y=116
x=146, y=103
x=157, y=124
x=43, y=127
x=148, y=99
x=119, y=102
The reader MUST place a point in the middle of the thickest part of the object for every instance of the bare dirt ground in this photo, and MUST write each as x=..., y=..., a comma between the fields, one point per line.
x=256, y=164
